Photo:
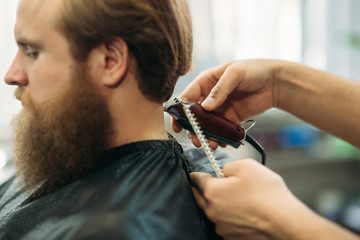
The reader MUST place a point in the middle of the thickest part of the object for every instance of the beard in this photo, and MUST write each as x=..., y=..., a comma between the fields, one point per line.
x=59, y=141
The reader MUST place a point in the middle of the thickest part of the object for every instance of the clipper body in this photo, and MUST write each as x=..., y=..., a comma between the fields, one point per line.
x=213, y=126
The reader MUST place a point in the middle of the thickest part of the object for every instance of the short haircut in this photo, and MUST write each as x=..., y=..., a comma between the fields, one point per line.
x=157, y=32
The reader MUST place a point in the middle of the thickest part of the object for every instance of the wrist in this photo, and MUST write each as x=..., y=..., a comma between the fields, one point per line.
x=292, y=220
x=284, y=82
x=292, y=85
x=298, y=222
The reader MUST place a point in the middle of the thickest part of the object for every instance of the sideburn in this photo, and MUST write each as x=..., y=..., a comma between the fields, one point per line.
x=60, y=141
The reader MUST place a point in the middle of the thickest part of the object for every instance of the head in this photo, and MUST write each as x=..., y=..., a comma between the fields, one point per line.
x=65, y=124
x=158, y=34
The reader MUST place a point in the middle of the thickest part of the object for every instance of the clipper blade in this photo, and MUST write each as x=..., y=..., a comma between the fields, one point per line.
x=204, y=143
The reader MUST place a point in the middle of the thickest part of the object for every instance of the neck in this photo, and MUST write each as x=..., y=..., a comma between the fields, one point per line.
x=139, y=123
x=134, y=117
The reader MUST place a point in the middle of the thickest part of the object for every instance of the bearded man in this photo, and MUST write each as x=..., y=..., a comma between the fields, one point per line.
x=92, y=155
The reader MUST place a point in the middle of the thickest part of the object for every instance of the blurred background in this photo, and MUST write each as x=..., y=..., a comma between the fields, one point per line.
x=321, y=170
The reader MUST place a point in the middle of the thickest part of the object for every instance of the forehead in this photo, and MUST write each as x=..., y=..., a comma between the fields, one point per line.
x=37, y=15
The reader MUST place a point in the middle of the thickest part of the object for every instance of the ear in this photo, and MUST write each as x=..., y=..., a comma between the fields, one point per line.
x=115, y=61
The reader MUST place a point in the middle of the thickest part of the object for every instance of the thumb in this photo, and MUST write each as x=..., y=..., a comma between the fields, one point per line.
x=219, y=93
x=201, y=180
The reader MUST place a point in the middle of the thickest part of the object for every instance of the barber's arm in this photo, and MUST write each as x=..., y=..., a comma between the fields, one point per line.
x=242, y=89
x=252, y=202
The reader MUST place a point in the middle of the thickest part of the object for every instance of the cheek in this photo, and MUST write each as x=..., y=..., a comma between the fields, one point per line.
x=45, y=82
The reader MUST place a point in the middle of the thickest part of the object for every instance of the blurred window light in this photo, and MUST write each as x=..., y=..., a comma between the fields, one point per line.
x=228, y=30
x=237, y=29
x=3, y=158
x=328, y=37
x=8, y=104
x=315, y=13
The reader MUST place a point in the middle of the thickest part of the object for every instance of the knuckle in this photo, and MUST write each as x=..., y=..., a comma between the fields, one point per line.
x=233, y=67
x=278, y=179
x=217, y=89
x=210, y=194
x=239, y=164
x=227, y=167
x=249, y=163
x=208, y=72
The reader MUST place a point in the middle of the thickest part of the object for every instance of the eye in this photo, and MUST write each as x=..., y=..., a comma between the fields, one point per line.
x=32, y=54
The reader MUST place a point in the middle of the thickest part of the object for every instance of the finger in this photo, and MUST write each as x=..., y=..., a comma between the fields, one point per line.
x=175, y=126
x=192, y=92
x=199, y=198
x=213, y=144
x=201, y=180
x=194, y=139
x=202, y=84
x=235, y=168
x=226, y=85
x=223, y=145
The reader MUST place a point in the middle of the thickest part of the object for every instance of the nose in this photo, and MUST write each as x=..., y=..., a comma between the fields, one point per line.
x=16, y=74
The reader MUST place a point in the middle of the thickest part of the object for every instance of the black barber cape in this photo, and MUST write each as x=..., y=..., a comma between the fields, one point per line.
x=142, y=192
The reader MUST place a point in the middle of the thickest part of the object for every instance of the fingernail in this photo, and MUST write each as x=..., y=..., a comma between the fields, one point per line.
x=189, y=136
x=209, y=101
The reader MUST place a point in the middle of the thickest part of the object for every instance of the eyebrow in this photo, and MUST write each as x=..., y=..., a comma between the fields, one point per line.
x=27, y=43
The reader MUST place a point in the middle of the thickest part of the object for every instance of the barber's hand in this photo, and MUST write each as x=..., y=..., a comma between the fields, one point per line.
x=236, y=90
x=249, y=202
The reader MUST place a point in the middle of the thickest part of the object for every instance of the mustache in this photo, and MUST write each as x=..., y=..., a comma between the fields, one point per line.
x=24, y=97
x=19, y=93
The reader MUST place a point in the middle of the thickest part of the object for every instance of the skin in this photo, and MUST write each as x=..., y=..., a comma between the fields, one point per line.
x=265, y=209
x=42, y=67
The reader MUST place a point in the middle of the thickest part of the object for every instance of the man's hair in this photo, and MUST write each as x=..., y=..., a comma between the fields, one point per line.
x=158, y=34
